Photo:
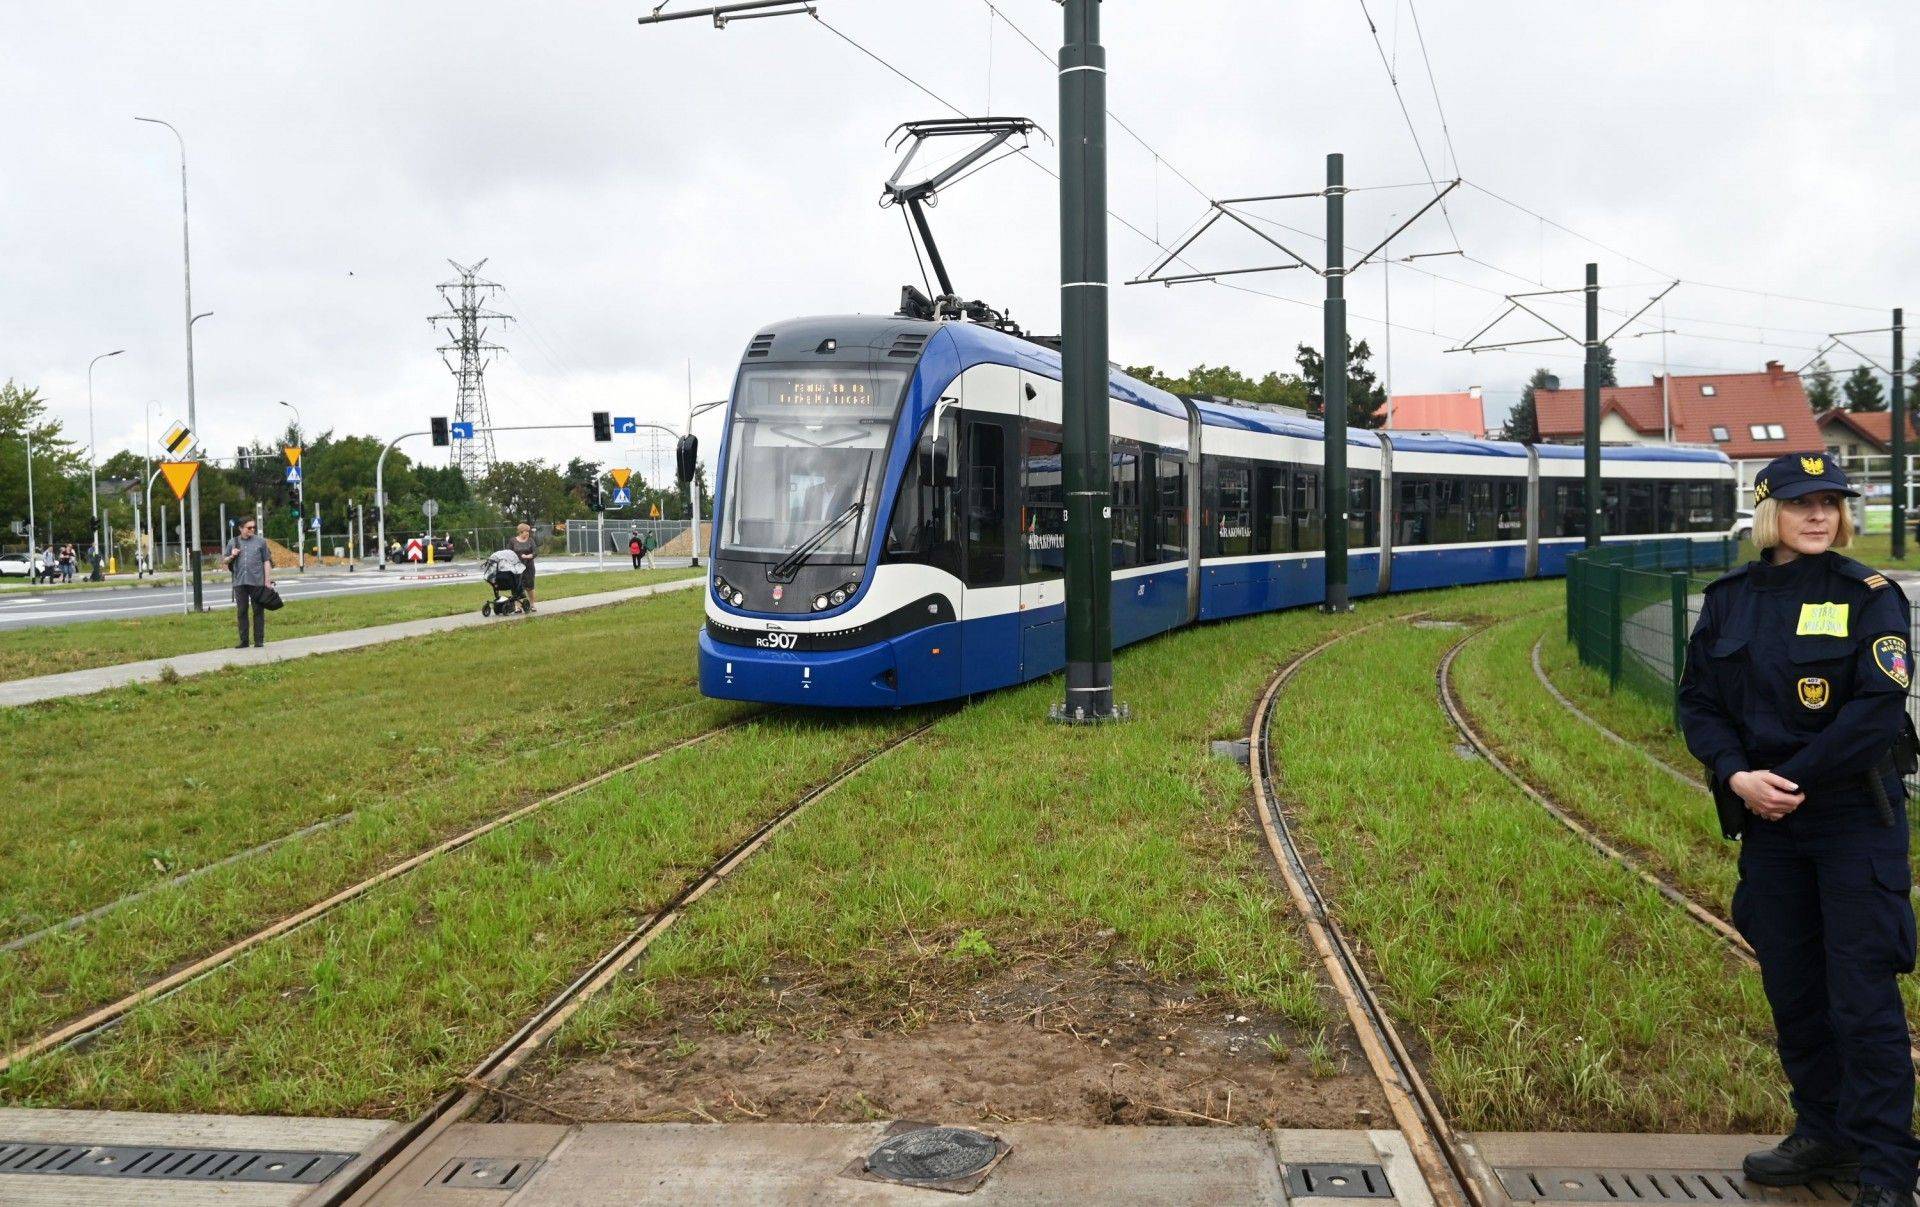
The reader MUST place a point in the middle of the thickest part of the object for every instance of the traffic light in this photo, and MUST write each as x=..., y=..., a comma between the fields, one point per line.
x=595, y=501
x=686, y=457
x=603, y=427
x=439, y=424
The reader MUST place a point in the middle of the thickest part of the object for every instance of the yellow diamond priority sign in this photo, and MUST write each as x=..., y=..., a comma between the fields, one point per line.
x=179, y=475
x=620, y=477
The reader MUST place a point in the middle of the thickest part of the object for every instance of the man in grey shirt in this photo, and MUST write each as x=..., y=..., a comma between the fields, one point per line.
x=252, y=566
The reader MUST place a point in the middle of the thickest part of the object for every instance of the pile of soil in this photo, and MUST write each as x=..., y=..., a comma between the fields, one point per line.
x=287, y=559
x=682, y=545
x=1042, y=1038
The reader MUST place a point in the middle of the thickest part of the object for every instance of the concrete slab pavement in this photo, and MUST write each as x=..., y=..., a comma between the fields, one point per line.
x=105, y=678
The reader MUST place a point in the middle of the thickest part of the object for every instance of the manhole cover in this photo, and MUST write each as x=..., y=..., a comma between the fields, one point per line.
x=933, y=1154
x=1237, y=751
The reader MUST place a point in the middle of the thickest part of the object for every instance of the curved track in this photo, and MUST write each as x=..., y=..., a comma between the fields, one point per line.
x=1540, y=673
x=1450, y=1172
x=373, y=1169
x=106, y=1016
x=1721, y=927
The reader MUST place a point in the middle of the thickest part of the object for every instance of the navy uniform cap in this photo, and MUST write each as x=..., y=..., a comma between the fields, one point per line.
x=1798, y=474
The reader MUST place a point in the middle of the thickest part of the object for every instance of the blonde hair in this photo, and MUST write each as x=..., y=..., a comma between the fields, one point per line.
x=1766, y=525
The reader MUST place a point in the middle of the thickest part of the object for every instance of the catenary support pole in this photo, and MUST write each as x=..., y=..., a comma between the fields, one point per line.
x=1590, y=411
x=1333, y=389
x=1087, y=471
x=1898, y=476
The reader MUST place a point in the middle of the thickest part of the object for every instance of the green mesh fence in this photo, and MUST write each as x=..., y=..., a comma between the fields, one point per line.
x=1631, y=606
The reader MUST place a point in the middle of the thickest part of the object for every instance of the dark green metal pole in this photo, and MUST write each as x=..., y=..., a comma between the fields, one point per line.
x=1333, y=388
x=1591, y=410
x=1898, y=477
x=1086, y=465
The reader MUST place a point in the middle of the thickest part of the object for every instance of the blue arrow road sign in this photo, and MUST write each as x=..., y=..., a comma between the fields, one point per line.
x=293, y=475
x=622, y=497
x=623, y=425
x=462, y=431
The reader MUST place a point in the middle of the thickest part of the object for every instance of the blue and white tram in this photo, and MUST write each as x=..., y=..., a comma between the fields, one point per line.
x=889, y=526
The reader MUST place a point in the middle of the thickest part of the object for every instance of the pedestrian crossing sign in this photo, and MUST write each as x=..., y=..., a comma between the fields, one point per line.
x=622, y=497
x=293, y=475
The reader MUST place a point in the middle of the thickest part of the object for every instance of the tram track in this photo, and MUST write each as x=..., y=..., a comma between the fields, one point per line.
x=1453, y=1174
x=1706, y=917
x=80, y=1029
x=1540, y=673
x=373, y=1170
x=326, y=823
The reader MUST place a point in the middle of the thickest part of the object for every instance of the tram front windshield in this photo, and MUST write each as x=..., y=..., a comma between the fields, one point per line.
x=808, y=445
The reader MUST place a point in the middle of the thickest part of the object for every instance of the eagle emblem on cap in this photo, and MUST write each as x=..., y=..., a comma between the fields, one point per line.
x=1816, y=467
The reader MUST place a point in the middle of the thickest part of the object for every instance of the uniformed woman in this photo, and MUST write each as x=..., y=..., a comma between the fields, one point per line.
x=1794, y=699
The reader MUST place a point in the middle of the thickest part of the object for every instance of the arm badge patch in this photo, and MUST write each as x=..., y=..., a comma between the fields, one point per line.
x=1890, y=655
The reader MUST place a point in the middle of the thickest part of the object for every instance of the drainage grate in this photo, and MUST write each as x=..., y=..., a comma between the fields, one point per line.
x=933, y=1154
x=1547, y=1184
x=486, y=1173
x=1237, y=751
x=179, y=1164
x=1331, y=1180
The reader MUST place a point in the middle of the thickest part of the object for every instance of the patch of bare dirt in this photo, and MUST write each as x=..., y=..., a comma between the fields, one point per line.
x=1038, y=1038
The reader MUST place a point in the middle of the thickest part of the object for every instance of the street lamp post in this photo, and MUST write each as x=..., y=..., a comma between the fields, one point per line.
x=299, y=536
x=186, y=254
x=33, y=540
x=93, y=481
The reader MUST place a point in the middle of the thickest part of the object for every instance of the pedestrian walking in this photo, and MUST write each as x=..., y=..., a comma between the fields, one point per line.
x=524, y=545
x=1794, y=698
x=67, y=560
x=646, y=548
x=636, y=548
x=251, y=564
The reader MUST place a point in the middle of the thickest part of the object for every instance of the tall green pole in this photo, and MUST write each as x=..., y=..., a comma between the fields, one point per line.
x=1596, y=508
x=1333, y=389
x=1898, y=478
x=1087, y=471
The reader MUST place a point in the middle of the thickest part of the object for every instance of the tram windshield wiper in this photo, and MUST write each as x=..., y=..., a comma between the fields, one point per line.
x=784, y=570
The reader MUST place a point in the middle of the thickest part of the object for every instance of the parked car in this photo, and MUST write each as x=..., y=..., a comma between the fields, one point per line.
x=443, y=549
x=1743, y=524
x=16, y=565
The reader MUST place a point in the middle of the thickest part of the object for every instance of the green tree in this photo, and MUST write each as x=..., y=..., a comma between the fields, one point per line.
x=1609, y=372
x=59, y=468
x=531, y=491
x=1220, y=381
x=1822, y=396
x=1523, y=421
x=1366, y=400
x=1863, y=391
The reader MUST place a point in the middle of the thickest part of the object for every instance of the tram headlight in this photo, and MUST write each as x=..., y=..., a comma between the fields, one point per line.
x=838, y=597
x=821, y=603
x=739, y=599
x=722, y=589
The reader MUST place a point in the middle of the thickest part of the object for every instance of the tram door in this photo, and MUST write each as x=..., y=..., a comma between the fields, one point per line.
x=1043, y=530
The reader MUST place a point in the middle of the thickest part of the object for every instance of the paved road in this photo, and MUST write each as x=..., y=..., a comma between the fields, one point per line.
x=72, y=605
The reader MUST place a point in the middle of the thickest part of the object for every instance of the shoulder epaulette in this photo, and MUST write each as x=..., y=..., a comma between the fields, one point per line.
x=1730, y=575
x=1860, y=572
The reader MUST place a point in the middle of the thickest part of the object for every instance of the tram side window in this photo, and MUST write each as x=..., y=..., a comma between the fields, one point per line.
x=1363, y=493
x=1170, y=476
x=1613, y=507
x=1723, y=505
x=923, y=527
x=1670, y=507
x=1449, y=511
x=1479, y=526
x=987, y=527
x=1233, y=509
x=1698, y=516
x=1307, y=511
x=1044, y=518
x=1641, y=515
x=1273, y=523
x=1562, y=508
x=1510, y=510
x=1413, y=517
x=1124, y=534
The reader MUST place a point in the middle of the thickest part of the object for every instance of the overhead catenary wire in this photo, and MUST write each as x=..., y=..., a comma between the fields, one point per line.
x=1419, y=148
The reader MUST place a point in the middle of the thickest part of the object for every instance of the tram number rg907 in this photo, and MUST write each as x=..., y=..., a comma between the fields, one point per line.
x=777, y=641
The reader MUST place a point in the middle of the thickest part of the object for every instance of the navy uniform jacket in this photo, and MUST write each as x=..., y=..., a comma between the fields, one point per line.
x=1802, y=670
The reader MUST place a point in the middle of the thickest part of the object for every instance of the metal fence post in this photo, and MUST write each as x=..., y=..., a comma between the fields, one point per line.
x=1680, y=584
x=1615, y=618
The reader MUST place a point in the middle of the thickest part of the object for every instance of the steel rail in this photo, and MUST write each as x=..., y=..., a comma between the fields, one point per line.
x=91, y=1023
x=1712, y=920
x=1540, y=672
x=1452, y=1174
x=375, y=1169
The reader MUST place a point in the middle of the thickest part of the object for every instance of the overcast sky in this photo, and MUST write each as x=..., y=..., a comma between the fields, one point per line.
x=651, y=196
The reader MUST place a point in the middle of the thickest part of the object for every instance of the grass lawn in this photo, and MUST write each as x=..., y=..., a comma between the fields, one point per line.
x=119, y=792
x=47, y=650
x=1549, y=988
x=381, y=1005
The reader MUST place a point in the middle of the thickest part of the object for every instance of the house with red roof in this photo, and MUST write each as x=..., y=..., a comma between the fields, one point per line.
x=1748, y=416
x=1456, y=412
x=1853, y=435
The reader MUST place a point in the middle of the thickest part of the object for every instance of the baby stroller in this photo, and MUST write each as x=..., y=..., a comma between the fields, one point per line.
x=503, y=582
